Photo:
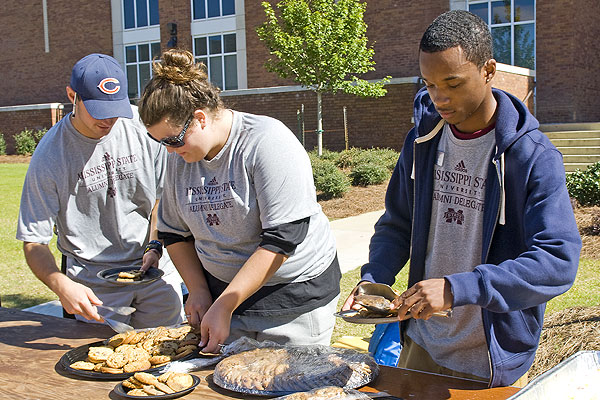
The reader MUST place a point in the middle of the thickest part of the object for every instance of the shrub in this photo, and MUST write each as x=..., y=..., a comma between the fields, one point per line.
x=25, y=142
x=2, y=145
x=354, y=157
x=348, y=158
x=328, y=178
x=325, y=155
x=584, y=186
x=386, y=157
x=39, y=134
x=370, y=173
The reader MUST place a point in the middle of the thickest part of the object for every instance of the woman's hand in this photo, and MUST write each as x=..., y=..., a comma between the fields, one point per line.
x=214, y=329
x=196, y=306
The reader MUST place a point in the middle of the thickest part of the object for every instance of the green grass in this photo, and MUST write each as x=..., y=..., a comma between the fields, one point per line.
x=19, y=288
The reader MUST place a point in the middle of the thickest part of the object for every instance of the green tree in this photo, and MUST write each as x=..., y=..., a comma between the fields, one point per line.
x=322, y=45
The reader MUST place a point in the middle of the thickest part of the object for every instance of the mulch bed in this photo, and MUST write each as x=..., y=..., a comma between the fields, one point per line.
x=565, y=333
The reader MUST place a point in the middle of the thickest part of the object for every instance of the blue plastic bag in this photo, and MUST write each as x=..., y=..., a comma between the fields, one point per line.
x=385, y=344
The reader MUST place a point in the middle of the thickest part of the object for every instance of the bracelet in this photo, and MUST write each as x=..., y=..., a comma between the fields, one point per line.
x=154, y=245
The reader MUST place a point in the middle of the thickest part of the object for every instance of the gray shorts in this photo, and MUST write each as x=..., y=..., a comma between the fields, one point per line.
x=314, y=327
x=159, y=303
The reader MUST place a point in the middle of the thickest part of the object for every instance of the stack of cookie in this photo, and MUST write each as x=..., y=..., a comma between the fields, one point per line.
x=144, y=384
x=139, y=350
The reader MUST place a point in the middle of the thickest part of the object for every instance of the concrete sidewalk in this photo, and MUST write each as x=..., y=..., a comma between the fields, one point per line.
x=352, y=236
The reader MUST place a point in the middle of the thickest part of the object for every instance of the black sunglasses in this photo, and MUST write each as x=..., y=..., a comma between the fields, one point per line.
x=173, y=141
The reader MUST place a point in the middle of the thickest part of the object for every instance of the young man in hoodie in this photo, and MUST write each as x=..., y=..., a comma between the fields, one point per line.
x=478, y=204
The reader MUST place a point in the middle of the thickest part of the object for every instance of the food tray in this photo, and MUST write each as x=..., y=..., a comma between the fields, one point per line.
x=288, y=369
x=80, y=353
x=577, y=377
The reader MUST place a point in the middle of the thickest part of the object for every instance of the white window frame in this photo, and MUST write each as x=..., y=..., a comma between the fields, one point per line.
x=225, y=25
x=512, y=25
x=206, y=10
x=135, y=15
x=137, y=63
x=221, y=55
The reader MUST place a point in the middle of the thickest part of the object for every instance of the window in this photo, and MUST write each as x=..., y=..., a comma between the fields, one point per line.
x=138, y=65
x=202, y=9
x=218, y=53
x=140, y=13
x=512, y=23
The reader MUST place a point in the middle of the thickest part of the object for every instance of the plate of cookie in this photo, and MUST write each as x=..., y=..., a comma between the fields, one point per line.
x=130, y=275
x=124, y=354
x=169, y=385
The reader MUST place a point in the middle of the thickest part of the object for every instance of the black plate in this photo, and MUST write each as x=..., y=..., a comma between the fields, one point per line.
x=80, y=353
x=120, y=390
x=111, y=275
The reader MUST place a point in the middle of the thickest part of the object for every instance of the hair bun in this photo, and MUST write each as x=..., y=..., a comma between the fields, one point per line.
x=178, y=67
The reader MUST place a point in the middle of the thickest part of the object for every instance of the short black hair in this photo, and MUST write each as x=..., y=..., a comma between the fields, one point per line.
x=459, y=28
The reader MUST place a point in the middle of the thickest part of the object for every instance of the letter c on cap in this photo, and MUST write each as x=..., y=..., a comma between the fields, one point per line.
x=105, y=81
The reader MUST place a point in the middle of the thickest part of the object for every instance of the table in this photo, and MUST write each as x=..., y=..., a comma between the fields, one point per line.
x=31, y=345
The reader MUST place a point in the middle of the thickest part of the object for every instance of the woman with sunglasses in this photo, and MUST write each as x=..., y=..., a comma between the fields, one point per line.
x=239, y=215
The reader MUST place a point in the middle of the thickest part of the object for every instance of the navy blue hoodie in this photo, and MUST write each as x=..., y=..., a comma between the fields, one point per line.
x=531, y=244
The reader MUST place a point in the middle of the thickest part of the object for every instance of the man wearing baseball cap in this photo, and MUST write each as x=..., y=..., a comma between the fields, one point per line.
x=94, y=180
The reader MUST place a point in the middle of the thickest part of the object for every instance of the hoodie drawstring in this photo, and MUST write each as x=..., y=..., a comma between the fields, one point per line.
x=425, y=138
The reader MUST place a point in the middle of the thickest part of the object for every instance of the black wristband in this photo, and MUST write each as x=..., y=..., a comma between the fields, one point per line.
x=154, y=245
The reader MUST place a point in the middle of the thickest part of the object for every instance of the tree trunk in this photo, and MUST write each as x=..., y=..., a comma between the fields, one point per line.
x=319, y=126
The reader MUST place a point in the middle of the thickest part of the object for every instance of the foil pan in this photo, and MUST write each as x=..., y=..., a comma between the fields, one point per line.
x=577, y=377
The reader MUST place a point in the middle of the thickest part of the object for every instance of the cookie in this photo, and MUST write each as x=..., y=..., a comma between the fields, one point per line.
x=109, y=370
x=131, y=384
x=117, y=360
x=134, y=366
x=159, y=359
x=163, y=387
x=83, y=365
x=137, y=392
x=185, y=353
x=151, y=390
x=179, y=381
x=145, y=378
x=99, y=354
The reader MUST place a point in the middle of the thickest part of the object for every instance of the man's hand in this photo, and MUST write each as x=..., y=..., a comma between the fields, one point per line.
x=423, y=299
x=150, y=260
x=79, y=299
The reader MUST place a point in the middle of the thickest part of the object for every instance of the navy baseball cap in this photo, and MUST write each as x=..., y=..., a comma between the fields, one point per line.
x=101, y=84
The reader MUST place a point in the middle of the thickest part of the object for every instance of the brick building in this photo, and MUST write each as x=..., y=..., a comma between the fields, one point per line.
x=536, y=41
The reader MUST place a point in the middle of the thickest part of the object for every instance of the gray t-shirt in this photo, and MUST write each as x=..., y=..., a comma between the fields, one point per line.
x=454, y=245
x=98, y=193
x=260, y=179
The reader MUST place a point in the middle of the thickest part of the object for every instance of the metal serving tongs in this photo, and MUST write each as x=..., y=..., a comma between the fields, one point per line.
x=117, y=326
x=381, y=289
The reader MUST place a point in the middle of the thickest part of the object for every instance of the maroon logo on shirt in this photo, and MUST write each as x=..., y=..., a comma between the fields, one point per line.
x=454, y=216
x=212, y=219
x=213, y=181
